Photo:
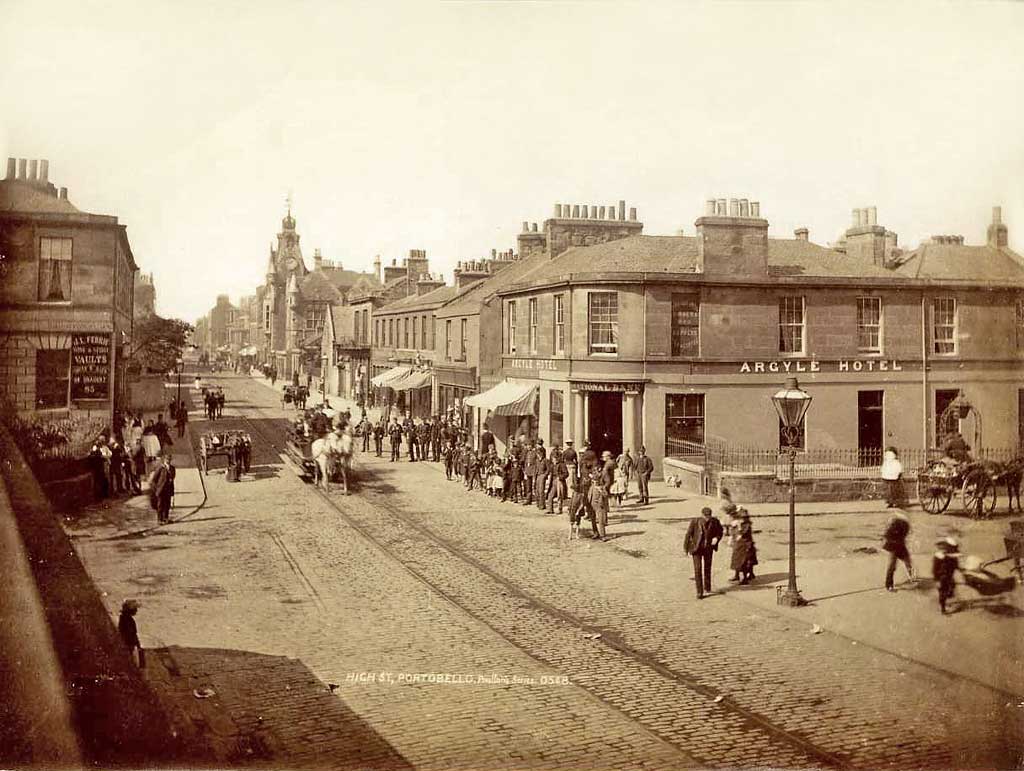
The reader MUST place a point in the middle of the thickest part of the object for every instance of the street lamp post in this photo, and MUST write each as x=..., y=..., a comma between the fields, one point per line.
x=791, y=403
x=179, y=367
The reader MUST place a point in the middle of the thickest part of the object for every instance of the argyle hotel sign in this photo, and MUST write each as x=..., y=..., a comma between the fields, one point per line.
x=842, y=365
x=90, y=367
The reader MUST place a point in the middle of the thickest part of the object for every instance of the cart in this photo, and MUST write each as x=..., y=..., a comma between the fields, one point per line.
x=217, y=443
x=298, y=448
x=938, y=481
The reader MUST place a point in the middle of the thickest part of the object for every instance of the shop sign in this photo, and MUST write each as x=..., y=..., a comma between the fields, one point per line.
x=90, y=367
x=842, y=365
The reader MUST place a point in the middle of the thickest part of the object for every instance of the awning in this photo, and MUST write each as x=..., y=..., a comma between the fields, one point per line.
x=393, y=374
x=507, y=398
x=415, y=379
x=249, y=350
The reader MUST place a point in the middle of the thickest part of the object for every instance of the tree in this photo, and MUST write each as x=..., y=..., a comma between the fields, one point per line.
x=157, y=343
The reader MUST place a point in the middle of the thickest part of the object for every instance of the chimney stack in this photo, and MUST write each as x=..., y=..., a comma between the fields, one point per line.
x=21, y=168
x=376, y=266
x=44, y=171
x=998, y=233
x=63, y=194
x=802, y=234
x=12, y=168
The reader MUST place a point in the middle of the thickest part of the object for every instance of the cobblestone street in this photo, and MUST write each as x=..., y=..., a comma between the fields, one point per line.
x=413, y=623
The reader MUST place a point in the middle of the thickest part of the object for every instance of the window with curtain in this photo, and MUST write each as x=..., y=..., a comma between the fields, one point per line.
x=603, y=315
x=54, y=269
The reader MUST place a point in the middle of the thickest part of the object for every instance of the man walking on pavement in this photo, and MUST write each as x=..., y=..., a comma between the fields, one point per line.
x=701, y=542
x=644, y=469
x=395, y=438
x=530, y=473
x=559, y=473
x=378, y=437
x=162, y=489
x=542, y=468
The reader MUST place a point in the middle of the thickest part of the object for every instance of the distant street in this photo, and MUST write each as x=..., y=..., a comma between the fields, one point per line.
x=413, y=623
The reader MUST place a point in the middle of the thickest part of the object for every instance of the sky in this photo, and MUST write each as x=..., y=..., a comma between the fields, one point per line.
x=443, y=126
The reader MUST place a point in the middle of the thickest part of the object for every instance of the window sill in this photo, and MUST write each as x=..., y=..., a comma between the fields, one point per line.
x=604, y=355
x=54, y=302
x=796, y=355
x=876, y=354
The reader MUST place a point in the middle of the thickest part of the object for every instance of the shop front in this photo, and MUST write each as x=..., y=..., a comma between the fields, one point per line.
x=509, y=409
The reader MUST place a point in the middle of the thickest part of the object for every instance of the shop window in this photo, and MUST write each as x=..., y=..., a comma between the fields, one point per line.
x=791, y=325
x=555, y=418
x=685, y=325
x=559, y=316
x=869, y=324
x=512, y=327
x=55, y=269
x=944, y=325
x=684, y=423
x=52, y=376
x=603, y=322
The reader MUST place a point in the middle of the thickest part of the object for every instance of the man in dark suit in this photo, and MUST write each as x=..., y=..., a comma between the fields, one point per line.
x=163, y=489
x=701, y=543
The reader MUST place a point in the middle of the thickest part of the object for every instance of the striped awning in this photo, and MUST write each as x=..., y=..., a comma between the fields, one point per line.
x=507, y=398
x=415, y=379
x=391, y=375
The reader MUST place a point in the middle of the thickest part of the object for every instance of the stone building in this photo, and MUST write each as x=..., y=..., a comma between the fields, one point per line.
x=66, y=300
x=678, y=342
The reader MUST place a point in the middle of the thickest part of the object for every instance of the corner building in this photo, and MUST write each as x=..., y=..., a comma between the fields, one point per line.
x=678, y=342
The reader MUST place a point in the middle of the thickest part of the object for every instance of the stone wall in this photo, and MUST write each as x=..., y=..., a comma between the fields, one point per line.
x=748, y=487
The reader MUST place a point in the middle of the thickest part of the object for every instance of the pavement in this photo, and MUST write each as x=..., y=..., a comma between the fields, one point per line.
x=441, y=628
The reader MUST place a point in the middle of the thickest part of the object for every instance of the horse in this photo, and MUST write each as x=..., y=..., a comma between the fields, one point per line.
x=1011, y=475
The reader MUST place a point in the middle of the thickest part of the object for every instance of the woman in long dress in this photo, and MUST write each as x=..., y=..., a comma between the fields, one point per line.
x=744, y=552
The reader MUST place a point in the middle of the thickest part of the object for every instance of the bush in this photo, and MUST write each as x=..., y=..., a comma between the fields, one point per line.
x=41, y=439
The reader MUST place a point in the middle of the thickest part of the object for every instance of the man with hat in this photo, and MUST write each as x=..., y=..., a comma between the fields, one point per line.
x=588, y=458
x=607, y=472
x=644, y=469
x=569, y=454
x=162, y=488
x=701, y=543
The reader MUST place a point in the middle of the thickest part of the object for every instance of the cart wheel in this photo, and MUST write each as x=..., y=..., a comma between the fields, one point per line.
x=978, y=494
x=933, y=493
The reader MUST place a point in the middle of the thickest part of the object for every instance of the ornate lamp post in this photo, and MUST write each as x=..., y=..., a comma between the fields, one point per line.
x=791, y=403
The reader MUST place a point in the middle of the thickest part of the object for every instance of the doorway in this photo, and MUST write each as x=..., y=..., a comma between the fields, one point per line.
x=604, y=422
x=869, y=427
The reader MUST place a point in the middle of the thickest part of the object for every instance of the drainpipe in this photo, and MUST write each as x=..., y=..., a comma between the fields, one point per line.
x=924, y=374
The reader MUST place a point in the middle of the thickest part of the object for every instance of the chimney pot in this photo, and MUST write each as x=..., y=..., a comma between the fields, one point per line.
x=632, y=214
x=33, y=170
x=12, y=168
x=394, y=261
x=802, y=234
x=709, y=207
x=997, y=211
x=721, y=207
x=593, y=212
x=575, y=211
x=872, y=215
x=534, y=228
x=744, y=207
x=22, y=163
x=494, y=253
x=584, y=211
x=734, y=207
x=755, y=209
x=558, y=211
x=611, y=212
x=566, y=211
x=44, y=171
x=622, y=211
x=601, y=213
x=64, y=194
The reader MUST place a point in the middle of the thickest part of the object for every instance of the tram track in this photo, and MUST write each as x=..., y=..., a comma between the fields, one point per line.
x=639, y=704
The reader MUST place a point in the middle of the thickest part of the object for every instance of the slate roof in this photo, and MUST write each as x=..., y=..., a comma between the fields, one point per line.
x=315, y=287
x=342, y=321
x=787, y=257
x=413, y=302
x=475, y=295
x=343, y=279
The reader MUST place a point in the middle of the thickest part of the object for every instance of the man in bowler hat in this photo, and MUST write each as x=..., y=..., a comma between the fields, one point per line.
x=701, y=543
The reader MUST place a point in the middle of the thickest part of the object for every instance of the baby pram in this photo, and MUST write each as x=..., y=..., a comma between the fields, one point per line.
x=984, y=581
